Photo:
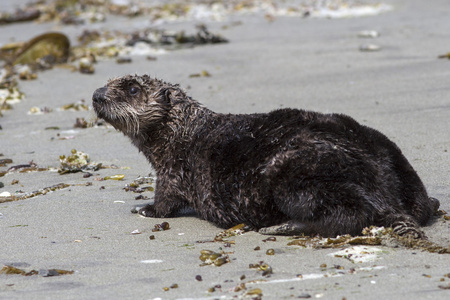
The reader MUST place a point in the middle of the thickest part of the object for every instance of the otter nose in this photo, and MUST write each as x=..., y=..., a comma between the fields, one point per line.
x=99, y=94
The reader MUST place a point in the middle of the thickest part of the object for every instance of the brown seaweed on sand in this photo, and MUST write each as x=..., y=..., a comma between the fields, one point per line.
x=371, y=236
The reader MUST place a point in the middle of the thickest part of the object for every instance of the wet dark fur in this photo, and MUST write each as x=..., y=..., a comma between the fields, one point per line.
x=302, y=171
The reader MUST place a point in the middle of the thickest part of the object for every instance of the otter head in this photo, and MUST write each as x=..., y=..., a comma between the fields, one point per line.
x=132, y=103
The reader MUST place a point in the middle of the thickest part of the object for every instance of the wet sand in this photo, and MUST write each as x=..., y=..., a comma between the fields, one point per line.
x=309, y=63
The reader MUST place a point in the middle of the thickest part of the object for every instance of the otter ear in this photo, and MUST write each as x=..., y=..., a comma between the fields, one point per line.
x=167, y=96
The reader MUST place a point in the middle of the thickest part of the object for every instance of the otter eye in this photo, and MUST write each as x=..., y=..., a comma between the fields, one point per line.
x=134, y=90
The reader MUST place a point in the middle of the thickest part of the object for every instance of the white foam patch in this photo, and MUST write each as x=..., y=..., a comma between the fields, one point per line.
x=351, y=12
x=151, y=261
x=359, y=254
x=303, y=277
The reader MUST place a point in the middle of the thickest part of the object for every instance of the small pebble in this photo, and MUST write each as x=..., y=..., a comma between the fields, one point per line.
x=198, y=278
x=123, y=60
x=270, y=239
x=86, y=66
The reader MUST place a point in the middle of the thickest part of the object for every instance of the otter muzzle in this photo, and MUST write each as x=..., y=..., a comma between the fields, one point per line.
x=99, y=95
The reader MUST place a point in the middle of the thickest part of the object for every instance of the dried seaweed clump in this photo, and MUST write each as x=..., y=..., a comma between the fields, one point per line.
x=233, y=231
x=371, y=236
x=77, y=162
x=136, y=185
x=11, y=270
x=209, y=257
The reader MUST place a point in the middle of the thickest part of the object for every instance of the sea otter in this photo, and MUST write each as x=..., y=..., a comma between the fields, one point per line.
x=289, y=171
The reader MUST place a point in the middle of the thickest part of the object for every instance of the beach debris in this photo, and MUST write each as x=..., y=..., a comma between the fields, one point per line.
x=209, y=257
x=9, y=92
x=136, y=231
x=78, y=161
x=256, y=292
x=203, y=36
x=198, y=278
x=262, y=266
x=173, y=286
x=86, y=65
x=114, y=177
x=304, y=296
x=10, y=270
x=270, y=252
x=54, y=272
x=5, y=194
x=39, y=110
x=146, y=42
x=80, y=123
x=135, y=186
x=25, y=73
x=10, y=95
x=84, y=11
x=19, y=195
x=233, y=231
x=368, y=34
x=447, y=55
x=20, y=15
x=203, y=73
x=25, y=168
x=43, y=51
x=369, y=48
x=359, y=254
x=371, y=236
x=75, y=106
x=5, y=161
x=124, y=60
x=161, y=227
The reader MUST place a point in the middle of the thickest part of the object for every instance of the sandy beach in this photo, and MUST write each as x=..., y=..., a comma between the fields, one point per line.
x=381, y=69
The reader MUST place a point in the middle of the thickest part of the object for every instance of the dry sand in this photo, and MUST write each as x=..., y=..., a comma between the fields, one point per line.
x=310, y=63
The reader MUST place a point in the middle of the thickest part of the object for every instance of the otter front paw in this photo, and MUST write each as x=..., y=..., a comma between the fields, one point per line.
x=148, y=211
